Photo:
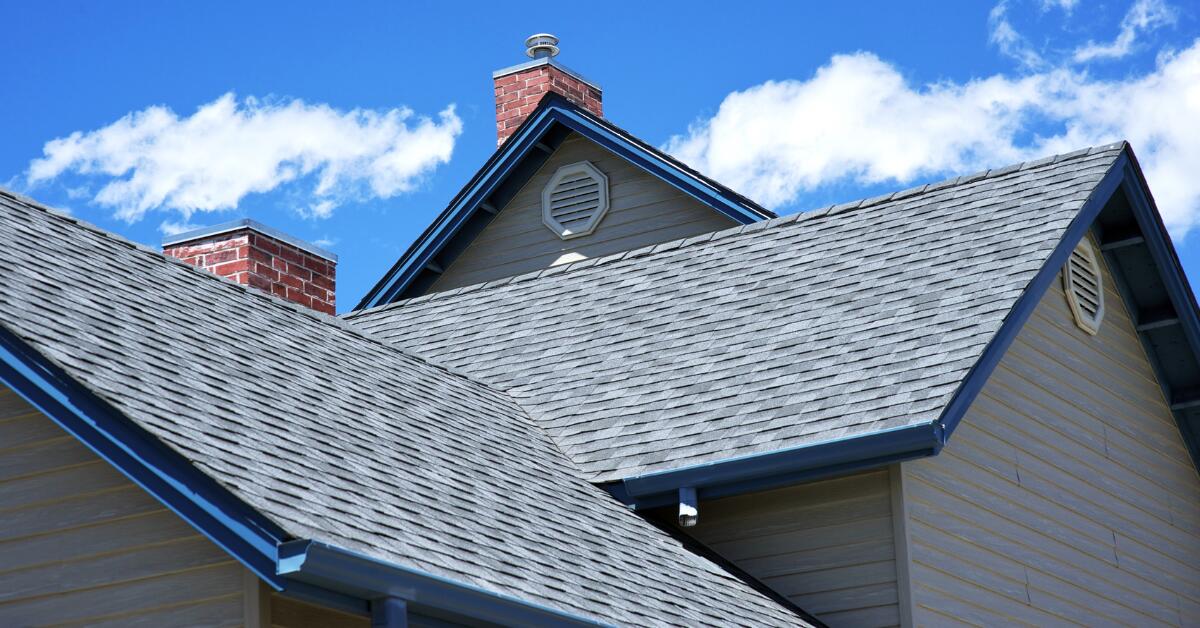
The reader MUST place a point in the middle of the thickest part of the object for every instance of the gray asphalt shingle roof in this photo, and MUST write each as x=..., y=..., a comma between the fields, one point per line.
x=818, y=326
x=339, y=437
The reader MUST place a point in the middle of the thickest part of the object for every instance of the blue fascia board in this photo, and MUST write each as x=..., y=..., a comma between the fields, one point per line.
x=761, y=471
x=1016, y=318
x=774, y=469
x=656, y=166
x=1179, y=291
x=159, y=470
x=446, y=225
x=556, y=111
x=361, y=576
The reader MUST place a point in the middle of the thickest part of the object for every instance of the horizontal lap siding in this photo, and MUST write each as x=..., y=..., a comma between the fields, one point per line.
x=80, y=543
x=642, y=211
x=827, y=545
x=1065, y=496
x=289, y=612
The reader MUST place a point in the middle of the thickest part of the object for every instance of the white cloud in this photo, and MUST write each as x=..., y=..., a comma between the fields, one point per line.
x=1143, y=16
x=171, y=228
x=1011, y=43
x=320, y=209
x=154, y=159
x=1066, y=5
x=859, y=121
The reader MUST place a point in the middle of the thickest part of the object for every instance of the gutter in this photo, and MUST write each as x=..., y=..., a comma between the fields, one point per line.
x=757, y=472
x=394, y=590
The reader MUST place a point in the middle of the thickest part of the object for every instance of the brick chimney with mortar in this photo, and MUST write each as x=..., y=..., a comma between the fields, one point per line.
x=520, y=88
x=255, y=255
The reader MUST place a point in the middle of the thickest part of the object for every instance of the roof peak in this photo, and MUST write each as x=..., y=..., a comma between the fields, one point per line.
x=772, y=223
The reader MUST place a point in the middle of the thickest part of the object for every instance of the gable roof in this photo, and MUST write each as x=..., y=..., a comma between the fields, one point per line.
x=325, y=450
x=855, y=334
x=511, y=166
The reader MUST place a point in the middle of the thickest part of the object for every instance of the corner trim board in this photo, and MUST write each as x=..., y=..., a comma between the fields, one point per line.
x=901, y=541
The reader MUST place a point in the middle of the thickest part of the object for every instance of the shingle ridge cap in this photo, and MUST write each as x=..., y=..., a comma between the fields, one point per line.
x=762, y=225
x=269, y=300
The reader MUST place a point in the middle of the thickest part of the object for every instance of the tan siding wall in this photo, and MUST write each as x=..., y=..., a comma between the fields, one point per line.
x=81, y=543
x=1065, y=495
x=290, y=613
x=643, y=211
x=827, y=545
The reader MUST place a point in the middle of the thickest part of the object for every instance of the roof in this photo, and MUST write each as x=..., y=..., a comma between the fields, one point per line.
x=511, y=166
x=823, y=327
x=339, y=438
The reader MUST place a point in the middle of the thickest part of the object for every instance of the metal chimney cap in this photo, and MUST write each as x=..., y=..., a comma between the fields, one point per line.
x=541, y=45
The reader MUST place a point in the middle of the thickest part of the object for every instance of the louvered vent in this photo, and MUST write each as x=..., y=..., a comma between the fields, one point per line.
x=1084, y=286
x=575, y=200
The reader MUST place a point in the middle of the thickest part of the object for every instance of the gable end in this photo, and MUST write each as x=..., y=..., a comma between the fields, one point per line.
x=507, y=172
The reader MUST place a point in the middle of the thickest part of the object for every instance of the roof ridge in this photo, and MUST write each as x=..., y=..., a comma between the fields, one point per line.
x=336, y=322
x=772, y=223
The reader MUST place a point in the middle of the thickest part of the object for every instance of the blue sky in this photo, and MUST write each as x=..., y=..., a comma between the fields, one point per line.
x=355, y=127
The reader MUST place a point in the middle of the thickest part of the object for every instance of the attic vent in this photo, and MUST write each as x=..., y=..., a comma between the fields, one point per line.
x=1084, y=287
x=574, y=200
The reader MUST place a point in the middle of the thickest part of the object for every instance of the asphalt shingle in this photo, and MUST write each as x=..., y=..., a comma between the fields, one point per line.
x=841, y=322
x=339, y=437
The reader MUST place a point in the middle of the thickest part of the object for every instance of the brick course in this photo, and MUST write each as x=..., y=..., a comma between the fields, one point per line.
x=262, y=262
x=519, y=93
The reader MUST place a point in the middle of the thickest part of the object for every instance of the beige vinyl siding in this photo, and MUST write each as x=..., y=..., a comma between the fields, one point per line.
x=826, y=545
x=80, y=543
x=642, y=211
x=291, y=613
x=1065, y=495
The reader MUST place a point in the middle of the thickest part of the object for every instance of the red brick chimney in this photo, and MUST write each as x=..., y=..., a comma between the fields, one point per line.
x=256, y=255
x=520, y=88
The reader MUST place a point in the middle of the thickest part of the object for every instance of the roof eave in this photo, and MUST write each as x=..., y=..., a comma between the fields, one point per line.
x=311, y=571
x=734, y=476
x=774, y=469
x=219, y=515
x=332, y=568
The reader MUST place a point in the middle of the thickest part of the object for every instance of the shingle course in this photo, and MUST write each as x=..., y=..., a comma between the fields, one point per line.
x=856, y=318
x=339, y=437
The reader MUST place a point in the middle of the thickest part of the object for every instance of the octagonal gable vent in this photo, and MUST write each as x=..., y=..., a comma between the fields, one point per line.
x=1084, y=286
x=575, y=200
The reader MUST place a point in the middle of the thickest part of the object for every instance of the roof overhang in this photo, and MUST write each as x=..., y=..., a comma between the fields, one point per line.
x=304, y=569
x=511, y=167
x=1139, y=253
x=148, y=462
x=353, y=574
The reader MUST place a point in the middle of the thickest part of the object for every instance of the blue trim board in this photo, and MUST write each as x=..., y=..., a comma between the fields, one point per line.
x=162, y=472
x=552, y=111
x=757, y=472
x=1179, y=292
x=775, y=469
x=300, y=569
x=364, y=577
x=1015, y=321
